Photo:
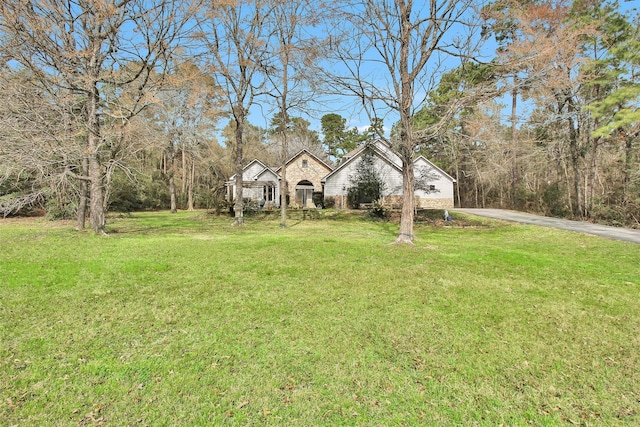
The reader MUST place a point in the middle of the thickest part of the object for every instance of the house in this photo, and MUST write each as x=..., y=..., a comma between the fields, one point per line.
x=304, y=172
x=310, y=179
x=259, y=182
x=433, y=186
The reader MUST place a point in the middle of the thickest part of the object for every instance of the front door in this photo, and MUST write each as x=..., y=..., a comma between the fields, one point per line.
x=304, y=194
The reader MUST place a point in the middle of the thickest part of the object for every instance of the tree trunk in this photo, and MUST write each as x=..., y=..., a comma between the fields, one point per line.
x=164, y=164
x=284, y=188
x=575, y=159
x=475, y=193
x=407, y=146
x=514, y=145
x=184, y=172
x=192, y=180
x=171, y=170
x=591, y=181
x=628, y=164
x=238, y=207
x=81, y=215
x=96, y=209
x=458, y=186
x=567, y=185
x=406, y=219
x=172, y=192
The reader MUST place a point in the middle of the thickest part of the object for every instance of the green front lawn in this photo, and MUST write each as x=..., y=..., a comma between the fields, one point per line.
x=185, y=320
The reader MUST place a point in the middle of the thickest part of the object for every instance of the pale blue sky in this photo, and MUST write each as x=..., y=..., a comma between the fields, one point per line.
x=351, y=109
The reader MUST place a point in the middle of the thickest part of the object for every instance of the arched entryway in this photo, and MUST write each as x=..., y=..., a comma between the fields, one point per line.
x=304, y=194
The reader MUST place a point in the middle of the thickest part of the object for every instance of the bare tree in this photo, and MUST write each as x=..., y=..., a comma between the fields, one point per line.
x=546, y=48
x=38, y=138
x=104, y=51
x=234, y=35
x=188, y=105
x=392, y=51
x=290, y=70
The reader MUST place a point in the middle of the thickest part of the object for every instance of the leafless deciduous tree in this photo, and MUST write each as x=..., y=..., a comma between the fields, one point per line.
x=389, y=54
x=290, y=70
x=234, y=34
x=37, y=139
x=188, y=103
x=110, y=53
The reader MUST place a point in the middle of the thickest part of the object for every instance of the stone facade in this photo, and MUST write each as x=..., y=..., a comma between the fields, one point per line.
x=302, y=169
x=305, y=167
x=396, y=202
x=421, y=202
x=433, y=203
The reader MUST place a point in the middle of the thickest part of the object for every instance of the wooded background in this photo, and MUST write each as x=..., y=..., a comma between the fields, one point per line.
x=123, y=105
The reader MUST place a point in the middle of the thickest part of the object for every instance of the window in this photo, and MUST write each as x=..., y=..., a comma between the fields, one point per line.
x=268, y=193
x=432, y=187
x=305, y=163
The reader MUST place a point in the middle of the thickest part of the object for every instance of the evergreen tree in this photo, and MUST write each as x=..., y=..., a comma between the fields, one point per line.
x=367, y=185
x=338, y=140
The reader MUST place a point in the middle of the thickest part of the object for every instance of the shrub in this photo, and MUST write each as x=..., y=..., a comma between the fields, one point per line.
x=380, y=210
x=317, y=199
x=57, y=209
x=218, y=204
x=329, y=202
x=250, y=205
x=366, y=186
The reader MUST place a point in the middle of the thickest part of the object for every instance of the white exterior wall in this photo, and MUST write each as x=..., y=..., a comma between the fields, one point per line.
x=426, y=174
x=253, y=193
x=333, y=185
x=255, y=171
x=391, y=176
x=338, y=183
x=429, y=175
x=251, y=171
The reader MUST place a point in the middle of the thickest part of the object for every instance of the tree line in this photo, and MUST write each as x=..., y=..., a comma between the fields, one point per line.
x=137, y=104
x=568, y=145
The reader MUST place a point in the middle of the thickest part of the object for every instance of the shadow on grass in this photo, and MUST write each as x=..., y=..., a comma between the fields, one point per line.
x=186, y=222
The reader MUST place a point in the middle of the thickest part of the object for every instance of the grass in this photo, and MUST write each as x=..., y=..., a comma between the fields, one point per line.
x=185, y=320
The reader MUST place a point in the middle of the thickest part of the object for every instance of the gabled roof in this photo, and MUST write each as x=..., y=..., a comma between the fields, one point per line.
x=263, y=168
x=264, y=171
x=382, y=147
x=434, y=166
x=371, y=142
x=376, y=147
x=309, y=153
x=354, y=154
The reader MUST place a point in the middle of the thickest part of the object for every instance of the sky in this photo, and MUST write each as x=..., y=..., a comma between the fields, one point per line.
x=348, y=107
x=351, y=108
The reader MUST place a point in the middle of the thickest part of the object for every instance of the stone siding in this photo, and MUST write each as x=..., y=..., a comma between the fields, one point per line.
x=313, y=172
x=434, y=203
x=396, y=202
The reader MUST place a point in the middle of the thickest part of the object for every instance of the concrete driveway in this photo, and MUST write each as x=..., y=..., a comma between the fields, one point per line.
x=616, y=233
